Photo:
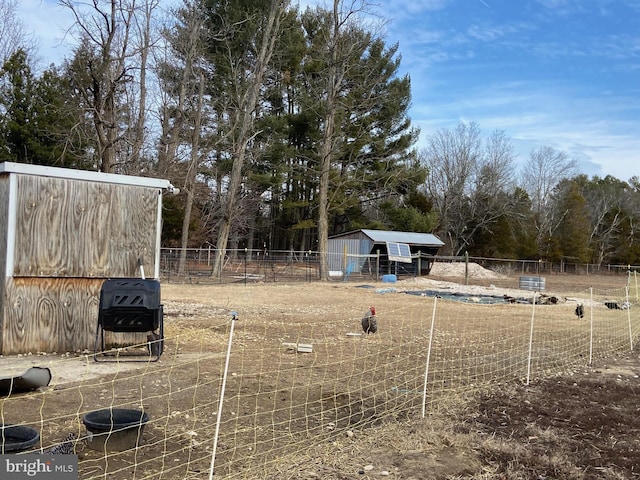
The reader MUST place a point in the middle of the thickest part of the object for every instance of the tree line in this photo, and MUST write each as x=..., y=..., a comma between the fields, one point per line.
x=283, y=127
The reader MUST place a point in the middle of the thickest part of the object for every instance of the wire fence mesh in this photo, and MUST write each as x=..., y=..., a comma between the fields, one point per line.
x=246, y=266
x=298, y=375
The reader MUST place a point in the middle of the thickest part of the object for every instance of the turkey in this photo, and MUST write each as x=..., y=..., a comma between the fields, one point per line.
x=369, y=323
x=580, y=311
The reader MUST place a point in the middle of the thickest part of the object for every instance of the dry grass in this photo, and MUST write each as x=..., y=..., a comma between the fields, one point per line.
x=571, y=422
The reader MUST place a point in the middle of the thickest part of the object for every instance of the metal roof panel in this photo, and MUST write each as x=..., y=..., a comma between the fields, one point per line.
x=412, y=238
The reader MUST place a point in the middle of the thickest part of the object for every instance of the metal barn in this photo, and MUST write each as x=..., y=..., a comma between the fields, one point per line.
x=62, y=233
x=364, y=251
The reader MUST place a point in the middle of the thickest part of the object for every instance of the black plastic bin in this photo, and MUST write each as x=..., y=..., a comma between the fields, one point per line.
x=131, y=305
x=115, y=429
x=16, y=438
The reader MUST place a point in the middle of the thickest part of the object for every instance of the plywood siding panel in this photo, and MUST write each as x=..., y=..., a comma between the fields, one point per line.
x=72, y=228
x=50, y=315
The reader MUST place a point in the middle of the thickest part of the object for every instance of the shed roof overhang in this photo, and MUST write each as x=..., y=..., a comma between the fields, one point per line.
x=87, y=175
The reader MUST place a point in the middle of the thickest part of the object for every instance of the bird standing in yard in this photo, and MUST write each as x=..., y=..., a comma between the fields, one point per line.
x=66, y=447
x=369, y=323
x=580, y=311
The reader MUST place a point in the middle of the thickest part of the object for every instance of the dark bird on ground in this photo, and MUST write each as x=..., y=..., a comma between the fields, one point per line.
x=580, y=311
x=508, y=298
x=369, y=323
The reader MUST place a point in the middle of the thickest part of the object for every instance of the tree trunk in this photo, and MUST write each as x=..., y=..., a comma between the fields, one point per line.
x=247, y=108
x=326, y=151
x=139, y=130
x=190, y=180
x=170, y=139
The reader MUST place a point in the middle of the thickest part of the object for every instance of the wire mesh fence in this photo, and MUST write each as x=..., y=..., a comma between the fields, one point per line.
x=294, y=375
x=245, y=266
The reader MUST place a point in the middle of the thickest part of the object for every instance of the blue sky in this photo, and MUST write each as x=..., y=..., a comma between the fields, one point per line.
x=561, y=73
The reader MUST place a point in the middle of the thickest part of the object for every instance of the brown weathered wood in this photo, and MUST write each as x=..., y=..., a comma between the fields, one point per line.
x=55, y=315
x=50, y=314
x=70, y=234
x=73, y=228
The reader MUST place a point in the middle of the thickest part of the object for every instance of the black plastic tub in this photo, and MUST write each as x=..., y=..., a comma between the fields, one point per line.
x=115, y=429
x=15, y=438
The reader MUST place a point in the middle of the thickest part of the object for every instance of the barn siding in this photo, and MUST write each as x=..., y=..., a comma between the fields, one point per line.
x=336, y=252
x=73, y=228
x=370, y=242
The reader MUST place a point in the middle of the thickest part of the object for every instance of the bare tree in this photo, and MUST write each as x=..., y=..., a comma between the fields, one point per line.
x=145, y=38
x=452, y=158
x=182, y=79
x=176, y=79
x=471, y=184
x=115, y=41
x=12, y=31
x=192, y=171
x=494, y=183
x=608, y=200
x=334, y=79
x=342, y=53
x=545, y=169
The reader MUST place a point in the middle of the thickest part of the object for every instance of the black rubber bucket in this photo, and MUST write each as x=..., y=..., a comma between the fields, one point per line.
x=15, y=438
x=115, y=429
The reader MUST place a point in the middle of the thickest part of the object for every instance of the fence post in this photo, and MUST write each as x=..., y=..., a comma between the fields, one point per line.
x=234, y=317
x=533, y=315
x=635, y=278
x=345, y=261
x=466, y=268
x=629, y=319
x=426, y=369
x=591, y=326
x=264, y=262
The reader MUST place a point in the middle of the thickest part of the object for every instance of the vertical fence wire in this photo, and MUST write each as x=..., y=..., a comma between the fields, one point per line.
x=591, y=326
x=628, y=307
x=221, y=399
x=426, y=369
x=533, y=316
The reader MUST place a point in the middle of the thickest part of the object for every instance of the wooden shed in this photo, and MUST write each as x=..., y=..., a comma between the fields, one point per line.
x=366, y=250
x=62, y=233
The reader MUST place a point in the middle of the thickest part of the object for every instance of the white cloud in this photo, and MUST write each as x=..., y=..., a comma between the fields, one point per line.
x=599, y=132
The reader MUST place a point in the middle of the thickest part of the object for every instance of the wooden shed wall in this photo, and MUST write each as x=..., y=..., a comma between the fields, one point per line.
x=69, y=236
x=55, y=315
x=4, y=214
x=73, y=228
x=50, y=314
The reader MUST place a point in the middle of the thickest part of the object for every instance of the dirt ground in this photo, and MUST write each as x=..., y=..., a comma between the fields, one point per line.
x=580, y=426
